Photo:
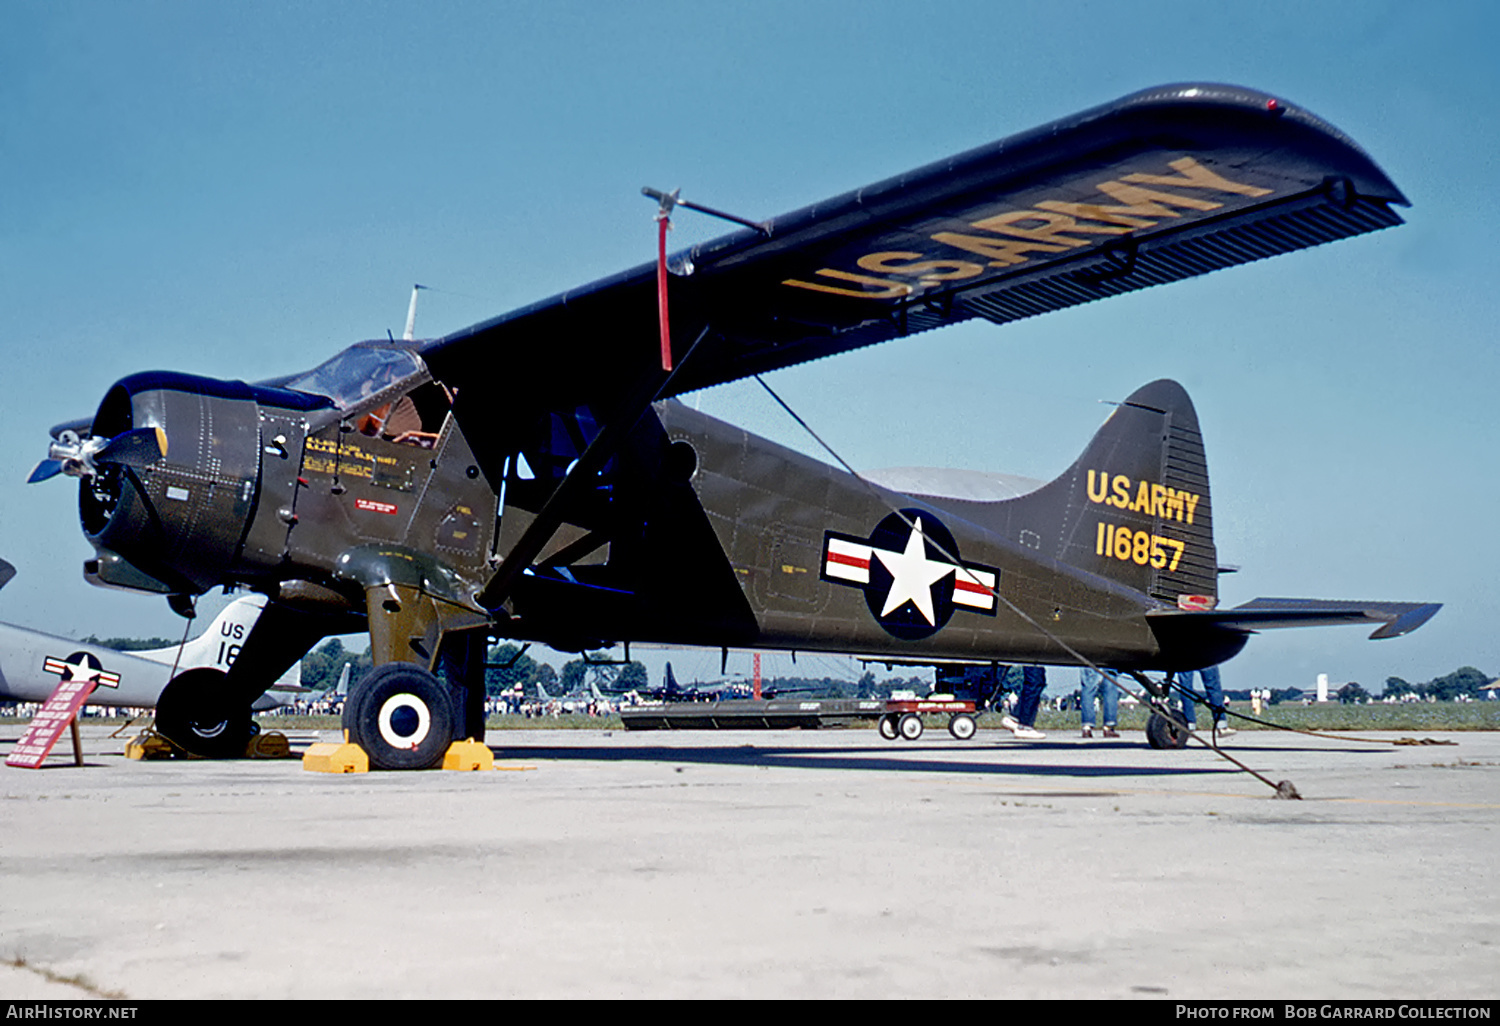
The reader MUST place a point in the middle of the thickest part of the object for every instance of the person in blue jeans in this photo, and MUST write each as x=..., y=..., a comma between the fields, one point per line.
x=1023, y=723
x=1094, y=683
x=1215, y=693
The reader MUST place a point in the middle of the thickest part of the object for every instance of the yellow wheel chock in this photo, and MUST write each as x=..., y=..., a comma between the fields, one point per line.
x=347, y=757
x=331, y=757
x=468, y=755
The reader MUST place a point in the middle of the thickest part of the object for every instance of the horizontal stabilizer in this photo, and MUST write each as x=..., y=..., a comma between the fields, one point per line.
x=1395, y=618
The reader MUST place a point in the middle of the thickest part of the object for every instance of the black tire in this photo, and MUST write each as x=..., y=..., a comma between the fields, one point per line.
x=910, y=726
x=962, y=726
x=196, y=713
x=1162, y=733
x=887, y=727
x=402, y=716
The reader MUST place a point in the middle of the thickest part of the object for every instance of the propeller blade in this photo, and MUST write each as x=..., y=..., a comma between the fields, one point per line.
x=44, y=470
x=139, y=448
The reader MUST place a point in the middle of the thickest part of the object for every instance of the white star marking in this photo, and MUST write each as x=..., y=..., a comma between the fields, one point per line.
x=912, y=575
x=81, y=671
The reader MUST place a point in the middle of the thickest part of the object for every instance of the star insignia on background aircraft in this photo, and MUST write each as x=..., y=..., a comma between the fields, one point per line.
x=911, y=587
x=81, y=666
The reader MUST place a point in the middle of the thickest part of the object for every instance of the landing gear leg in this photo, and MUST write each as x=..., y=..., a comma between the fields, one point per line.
x=404, y=713
x=461, y=663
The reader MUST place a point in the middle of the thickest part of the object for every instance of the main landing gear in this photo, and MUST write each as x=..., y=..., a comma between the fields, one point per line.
x=197, y=713
x=402, y=716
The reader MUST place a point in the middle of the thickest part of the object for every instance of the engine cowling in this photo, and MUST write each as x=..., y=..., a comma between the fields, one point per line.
x=178, y=523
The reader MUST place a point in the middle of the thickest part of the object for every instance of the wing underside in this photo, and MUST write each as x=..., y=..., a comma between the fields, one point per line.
x=1157, y=187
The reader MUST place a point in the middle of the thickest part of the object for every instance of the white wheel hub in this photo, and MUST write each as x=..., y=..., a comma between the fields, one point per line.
x=401, y=711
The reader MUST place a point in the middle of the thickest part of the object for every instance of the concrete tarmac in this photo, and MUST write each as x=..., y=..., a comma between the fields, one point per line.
x=805, y=864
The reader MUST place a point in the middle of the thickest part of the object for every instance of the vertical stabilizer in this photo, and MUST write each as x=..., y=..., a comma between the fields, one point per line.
x=1134, y=508
x=217, y=646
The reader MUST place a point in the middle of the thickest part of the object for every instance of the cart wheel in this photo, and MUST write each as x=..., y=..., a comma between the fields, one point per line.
x=887, y=726
x=910, y=726
x=962, y=726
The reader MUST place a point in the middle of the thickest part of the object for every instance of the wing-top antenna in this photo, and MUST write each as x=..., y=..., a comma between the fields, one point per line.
x=411, y=315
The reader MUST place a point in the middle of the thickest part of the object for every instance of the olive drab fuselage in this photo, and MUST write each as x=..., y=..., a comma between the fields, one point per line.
x=694, y=532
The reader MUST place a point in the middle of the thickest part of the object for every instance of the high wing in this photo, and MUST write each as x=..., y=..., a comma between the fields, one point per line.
x=1161, y=185
x=1395, y=618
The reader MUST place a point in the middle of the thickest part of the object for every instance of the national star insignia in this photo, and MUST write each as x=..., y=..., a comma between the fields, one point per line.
x=80, y=666
x=913, y=575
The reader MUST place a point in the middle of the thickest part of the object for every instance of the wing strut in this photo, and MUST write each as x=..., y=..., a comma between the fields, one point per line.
x=605, y=444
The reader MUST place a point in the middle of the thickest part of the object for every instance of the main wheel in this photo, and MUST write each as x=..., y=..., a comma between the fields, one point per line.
x=887, y=727
x=402, y=716
x=196, y=713
x=962, y=726
x=910, y=726
x=1162, y=733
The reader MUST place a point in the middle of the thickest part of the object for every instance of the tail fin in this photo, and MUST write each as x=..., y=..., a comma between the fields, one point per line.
x=220, y=643
x=1135, y=506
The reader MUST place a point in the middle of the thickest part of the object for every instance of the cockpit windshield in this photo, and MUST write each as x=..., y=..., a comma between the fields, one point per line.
x=356, y=373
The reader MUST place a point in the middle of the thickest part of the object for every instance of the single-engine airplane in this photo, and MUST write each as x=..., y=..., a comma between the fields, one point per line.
x=397, y=488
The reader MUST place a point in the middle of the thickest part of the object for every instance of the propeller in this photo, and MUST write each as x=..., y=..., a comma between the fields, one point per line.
x=81, y=457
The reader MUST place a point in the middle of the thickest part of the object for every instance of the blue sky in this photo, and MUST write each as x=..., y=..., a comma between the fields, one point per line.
x=239, y=190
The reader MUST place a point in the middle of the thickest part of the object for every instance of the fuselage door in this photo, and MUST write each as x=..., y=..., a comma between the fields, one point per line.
x=282, y=434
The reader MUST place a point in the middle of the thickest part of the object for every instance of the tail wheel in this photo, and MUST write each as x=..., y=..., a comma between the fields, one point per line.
x=910, y=726
x=887, y=726
x=402, y=716
x=196, y=713
x=962, y=726
x=1164, y=734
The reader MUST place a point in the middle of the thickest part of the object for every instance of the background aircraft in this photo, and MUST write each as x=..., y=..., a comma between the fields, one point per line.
x=32, y=664
x=392, y=486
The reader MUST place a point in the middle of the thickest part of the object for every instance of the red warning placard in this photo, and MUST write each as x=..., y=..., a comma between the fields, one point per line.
x=49, y=723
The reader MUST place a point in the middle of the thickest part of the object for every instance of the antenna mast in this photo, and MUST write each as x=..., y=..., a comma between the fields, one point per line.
x=411, y=315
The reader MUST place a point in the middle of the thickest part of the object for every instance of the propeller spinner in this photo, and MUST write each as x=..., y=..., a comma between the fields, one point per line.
x=82, y=457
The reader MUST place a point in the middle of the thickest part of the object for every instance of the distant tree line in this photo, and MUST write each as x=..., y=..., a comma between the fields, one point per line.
x=1464, y=682
x=131, y=644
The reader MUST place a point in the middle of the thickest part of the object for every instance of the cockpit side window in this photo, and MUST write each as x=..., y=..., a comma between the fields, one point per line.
x=415, y=418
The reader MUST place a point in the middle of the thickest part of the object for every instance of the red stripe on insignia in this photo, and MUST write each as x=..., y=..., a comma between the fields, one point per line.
x=855, y=561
